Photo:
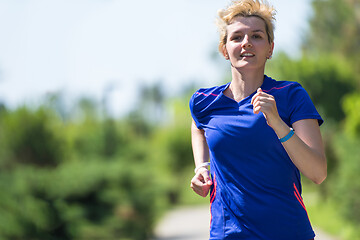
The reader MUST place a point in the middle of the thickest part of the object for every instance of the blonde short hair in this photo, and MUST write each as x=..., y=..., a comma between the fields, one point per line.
x=246, y=8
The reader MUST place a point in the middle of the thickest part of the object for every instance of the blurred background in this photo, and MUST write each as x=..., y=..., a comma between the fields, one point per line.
x=94, y=117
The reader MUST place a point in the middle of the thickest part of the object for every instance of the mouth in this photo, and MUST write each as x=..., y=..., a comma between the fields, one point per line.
x=247, y=54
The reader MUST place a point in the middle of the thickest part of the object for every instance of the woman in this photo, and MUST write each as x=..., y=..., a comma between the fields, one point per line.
x=259, y=135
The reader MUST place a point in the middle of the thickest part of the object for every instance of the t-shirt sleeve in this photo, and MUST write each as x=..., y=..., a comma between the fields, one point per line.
x=300, y=105
x=194, y=112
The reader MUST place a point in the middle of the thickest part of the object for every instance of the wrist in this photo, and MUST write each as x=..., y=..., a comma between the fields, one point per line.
x=284, y=132
x=202, y=165
x=281, y=128
x=287, y=137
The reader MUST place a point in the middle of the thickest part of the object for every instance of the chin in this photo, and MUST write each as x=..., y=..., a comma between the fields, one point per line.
x=246, y=66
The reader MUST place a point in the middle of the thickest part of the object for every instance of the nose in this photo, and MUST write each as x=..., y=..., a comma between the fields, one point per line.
x=246, y=42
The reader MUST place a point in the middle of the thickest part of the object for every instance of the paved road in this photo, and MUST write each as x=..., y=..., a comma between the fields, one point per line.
x=192, y=223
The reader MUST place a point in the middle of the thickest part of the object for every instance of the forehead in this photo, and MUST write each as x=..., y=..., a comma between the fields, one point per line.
x=246, y=24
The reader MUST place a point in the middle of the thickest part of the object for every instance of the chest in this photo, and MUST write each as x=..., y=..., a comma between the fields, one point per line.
x=238, y=125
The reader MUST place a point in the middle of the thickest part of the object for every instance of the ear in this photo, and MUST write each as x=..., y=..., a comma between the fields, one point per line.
x=224, y=52
x=271, y=50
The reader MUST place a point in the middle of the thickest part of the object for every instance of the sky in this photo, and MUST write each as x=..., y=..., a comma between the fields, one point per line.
x=86, y=47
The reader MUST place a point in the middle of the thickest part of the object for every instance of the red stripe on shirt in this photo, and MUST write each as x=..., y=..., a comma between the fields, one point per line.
x=212, y=196
x=212, y=94
x=277, y=88
x=299, y=198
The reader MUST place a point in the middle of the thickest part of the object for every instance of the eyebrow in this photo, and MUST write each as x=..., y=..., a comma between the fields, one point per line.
x=256, y=30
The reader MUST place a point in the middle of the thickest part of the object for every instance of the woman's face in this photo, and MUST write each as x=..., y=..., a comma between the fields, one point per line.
x=247, y=45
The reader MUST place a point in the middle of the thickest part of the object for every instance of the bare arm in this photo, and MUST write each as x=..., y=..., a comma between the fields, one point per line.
x=201, y=182
x=199, y=145
x=305, y=148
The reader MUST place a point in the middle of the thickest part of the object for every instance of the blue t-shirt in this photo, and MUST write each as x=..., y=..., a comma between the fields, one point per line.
x=257, y=189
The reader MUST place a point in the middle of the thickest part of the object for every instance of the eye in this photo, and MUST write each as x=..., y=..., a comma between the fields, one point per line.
x=257, y=36
x=236, y=38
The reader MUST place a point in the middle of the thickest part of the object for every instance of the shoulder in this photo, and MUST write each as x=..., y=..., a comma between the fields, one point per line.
x=201, y=102
x=209, y=92
x=285, y=90
x=273, y=86
x=204, y=96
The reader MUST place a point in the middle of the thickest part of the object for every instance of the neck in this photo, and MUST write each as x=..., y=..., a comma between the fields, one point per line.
x=245, y=83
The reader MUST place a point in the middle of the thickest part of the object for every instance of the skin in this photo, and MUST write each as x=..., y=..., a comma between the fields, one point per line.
x=305, y=148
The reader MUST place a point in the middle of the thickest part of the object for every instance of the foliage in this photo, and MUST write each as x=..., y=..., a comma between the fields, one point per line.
x=351, y=105
x=346, y=184
x=324, y=214
x=172, y=149
x=84, y=199
x=347, y=187
x=28, y=137
x=77, y=173
x=87, y=176
x=335, y=28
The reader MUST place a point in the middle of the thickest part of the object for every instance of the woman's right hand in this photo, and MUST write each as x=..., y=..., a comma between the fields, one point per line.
x=201, y=182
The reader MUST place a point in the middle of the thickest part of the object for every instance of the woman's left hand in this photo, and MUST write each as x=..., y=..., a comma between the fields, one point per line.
x=265, y=103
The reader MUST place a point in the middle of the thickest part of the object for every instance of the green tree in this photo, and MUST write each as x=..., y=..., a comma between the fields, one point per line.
x=96, y=191
x=351, y=105
x=171, y=149
x=29, y=137
x=335, y=29
x=334, y=42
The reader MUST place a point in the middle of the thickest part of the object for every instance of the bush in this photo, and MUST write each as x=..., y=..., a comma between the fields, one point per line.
x=76, y=180
x=351, y=106
x=79, y=200
x=29, y=137
x=346, y=189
